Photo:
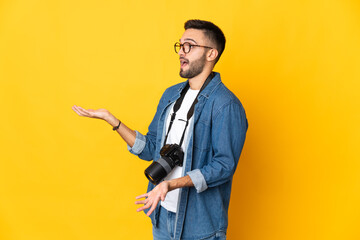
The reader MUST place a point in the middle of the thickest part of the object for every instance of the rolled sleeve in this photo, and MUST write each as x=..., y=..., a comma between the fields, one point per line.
x=139, y=144
x=198, y=180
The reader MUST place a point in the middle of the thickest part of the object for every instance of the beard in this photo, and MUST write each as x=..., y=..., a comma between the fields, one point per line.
x=195, y=68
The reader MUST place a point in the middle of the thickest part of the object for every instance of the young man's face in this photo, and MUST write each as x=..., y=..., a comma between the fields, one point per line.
x=193, y=62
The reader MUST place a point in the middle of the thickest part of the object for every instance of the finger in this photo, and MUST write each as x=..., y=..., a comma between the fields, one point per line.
x=151, y=209
x=80, y=107
x=141, y=202
x=78, y=112
x=75, y=107
x=84, y=112
x=153, y=206
x=146, y=206
x=142, y=196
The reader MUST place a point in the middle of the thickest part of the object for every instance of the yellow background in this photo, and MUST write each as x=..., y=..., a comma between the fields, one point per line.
x=295, y=65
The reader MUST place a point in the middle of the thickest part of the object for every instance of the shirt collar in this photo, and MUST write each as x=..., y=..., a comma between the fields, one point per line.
x=206, y=92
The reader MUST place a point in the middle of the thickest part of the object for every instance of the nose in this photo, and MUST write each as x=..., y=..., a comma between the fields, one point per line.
x=181, y=51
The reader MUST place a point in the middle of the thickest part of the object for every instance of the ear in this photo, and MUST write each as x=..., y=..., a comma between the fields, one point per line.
x=212, y=55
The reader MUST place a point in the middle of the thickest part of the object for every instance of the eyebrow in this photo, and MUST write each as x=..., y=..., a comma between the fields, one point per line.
x=189, y=39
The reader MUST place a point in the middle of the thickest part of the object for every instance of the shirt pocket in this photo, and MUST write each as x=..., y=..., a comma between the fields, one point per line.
x=202, y=136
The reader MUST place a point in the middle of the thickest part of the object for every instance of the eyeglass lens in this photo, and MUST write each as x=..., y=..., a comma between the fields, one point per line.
x=186, y=47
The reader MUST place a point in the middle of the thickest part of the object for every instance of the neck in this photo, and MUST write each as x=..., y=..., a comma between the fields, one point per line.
x=197, y=81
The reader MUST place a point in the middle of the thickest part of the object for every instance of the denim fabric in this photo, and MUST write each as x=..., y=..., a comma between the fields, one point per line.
x=214, y=148
x=165, y=228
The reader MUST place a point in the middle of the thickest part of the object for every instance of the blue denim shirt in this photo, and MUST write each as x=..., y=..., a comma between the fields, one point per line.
x=218, y=135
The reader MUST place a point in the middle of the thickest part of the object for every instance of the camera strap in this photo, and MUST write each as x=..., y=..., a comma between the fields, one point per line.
x=191, y=110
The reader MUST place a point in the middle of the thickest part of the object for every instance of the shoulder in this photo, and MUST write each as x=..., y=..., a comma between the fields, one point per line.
x=173, y=90
x=223, y=96
x=225, y=104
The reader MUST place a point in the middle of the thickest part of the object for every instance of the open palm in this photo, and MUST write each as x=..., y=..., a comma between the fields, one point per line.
x=100, y=113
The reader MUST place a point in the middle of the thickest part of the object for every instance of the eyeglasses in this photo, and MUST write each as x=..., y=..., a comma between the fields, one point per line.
x=186, y=47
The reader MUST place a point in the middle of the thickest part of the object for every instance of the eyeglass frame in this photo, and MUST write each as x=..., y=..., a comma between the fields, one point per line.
x=190, y=46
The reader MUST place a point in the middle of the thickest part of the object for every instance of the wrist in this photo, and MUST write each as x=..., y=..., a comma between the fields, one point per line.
x=171, y=184
x=117, y=127
x=112, y=120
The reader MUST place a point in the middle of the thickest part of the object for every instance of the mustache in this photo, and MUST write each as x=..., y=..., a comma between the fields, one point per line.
x=182, y=58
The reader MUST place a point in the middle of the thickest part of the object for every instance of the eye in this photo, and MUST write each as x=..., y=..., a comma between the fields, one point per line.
x=187, y=47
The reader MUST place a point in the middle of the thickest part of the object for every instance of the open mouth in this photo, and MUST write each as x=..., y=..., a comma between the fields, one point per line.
x=183, y=63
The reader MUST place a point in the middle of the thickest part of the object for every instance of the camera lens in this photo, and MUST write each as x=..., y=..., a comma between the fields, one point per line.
x=171, y=155
x=158, y=170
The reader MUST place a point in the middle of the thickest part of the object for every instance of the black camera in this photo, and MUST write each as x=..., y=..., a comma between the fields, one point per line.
x=171, y=155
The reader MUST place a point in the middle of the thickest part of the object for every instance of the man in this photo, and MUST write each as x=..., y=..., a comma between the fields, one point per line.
x=209, y=124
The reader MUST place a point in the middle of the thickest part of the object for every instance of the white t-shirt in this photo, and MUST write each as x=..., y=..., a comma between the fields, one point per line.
x=177, y=129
